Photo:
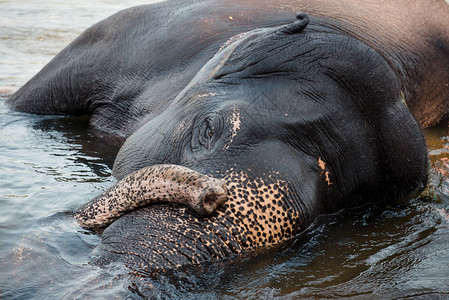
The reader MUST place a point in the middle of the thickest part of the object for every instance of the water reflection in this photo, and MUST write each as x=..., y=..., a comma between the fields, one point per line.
x=95, y=152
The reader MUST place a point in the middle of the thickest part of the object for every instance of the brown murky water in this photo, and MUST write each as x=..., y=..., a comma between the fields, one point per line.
x=50, y=166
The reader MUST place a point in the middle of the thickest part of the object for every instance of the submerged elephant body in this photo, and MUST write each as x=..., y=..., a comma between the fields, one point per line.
x=298, y=117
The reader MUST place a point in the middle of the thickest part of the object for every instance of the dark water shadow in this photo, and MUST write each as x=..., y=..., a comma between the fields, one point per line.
x=97, y=150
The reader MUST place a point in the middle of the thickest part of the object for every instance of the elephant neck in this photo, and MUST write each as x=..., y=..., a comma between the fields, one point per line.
x=415, y=45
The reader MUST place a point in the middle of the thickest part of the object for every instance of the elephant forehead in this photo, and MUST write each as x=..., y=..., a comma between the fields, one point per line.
x=261, y=208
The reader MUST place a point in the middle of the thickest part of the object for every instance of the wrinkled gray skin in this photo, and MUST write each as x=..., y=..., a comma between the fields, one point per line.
x=298, y=118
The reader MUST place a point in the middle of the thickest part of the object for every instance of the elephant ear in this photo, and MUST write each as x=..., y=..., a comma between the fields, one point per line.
x=260, y=52
x=296, y=27
x=387, y=137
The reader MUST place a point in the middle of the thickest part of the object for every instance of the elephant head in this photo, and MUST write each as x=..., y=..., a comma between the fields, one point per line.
x=295, y=120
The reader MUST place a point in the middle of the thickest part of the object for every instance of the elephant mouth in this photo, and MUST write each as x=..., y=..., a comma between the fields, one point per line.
x=154, y=185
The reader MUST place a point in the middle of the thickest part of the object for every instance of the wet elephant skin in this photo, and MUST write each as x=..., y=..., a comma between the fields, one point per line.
x=299, y=117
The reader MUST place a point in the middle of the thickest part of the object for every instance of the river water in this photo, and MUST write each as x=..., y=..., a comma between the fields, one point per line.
x=49, y=166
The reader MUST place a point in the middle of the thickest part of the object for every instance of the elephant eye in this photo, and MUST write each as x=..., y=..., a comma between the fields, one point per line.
x=209, y=128
x=206, y=131
x=210, y=132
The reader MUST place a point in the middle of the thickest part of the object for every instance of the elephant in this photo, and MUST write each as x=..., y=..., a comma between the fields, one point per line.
x=240, y=122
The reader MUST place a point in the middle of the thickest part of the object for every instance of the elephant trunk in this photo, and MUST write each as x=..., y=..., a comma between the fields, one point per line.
x=152, y=185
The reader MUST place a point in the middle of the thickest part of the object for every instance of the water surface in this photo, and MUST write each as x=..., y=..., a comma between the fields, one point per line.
x=49, y=166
